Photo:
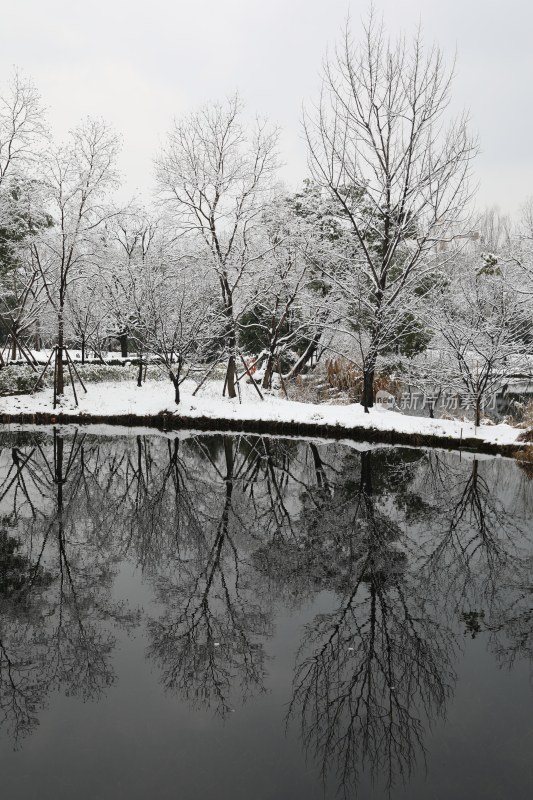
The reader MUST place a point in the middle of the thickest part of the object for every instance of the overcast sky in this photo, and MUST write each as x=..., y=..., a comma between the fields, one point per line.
x=139, y=64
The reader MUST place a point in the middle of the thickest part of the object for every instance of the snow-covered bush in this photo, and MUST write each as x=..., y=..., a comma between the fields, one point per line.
x=21, y=380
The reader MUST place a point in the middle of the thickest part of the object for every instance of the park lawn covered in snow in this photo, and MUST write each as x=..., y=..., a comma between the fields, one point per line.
x=156, y=397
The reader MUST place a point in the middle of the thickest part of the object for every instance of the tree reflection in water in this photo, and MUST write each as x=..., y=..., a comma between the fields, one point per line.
x=211, y=633
x=478, y=554
x=55, y=597
x=371, y=672
x=414, y=551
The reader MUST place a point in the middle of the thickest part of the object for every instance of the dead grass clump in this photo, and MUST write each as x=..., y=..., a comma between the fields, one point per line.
x=526, y=436
x=345, y=376
x=303, y=388
x=387, y=384
x=523, y=415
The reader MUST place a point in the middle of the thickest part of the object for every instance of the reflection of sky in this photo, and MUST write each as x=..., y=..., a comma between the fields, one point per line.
x=472, y=756
x=138, y=65
x=139, y=742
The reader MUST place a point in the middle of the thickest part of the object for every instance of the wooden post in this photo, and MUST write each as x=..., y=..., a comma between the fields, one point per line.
x=256, y=387
x=206, y=376
x=24, y=352
x=41, y=376
x=75, y=370
x=282, y=381
x=235, y=382
x=71, y=379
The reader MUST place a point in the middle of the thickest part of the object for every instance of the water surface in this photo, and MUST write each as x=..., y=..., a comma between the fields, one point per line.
x=201, y=616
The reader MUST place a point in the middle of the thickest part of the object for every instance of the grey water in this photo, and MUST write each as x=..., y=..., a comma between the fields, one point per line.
x=208, y=616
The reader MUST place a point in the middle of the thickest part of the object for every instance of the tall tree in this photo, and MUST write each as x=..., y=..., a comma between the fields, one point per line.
x=22, y=135
x=22, y=127
x=132, y=237
x=77, y=179
x=378, y=145
x=215, y=174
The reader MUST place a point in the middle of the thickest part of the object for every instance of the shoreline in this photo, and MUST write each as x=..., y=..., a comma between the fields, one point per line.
x=166, y=422
x=152, y=406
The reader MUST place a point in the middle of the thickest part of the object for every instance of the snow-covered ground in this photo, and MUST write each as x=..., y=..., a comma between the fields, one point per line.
x=154, y=397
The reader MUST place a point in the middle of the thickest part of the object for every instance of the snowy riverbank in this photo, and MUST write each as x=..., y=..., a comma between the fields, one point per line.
x=113, y=401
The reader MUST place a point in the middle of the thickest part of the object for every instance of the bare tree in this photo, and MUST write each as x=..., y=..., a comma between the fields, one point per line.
x=85, y=314
x=22, y=135
x=494, y=230
x=77, y=178
x=22, y=295
x=215, y=174
x=176, y=318
x=520, y=254
x=377, y=143
x=484, y=331
x=133, y=236
x=278, y=324
x=22, y=127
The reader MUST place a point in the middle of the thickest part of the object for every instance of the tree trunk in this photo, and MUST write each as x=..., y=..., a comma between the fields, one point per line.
x=267, y=378
x=306, y=356
x=60, y=384
x=123, y=339
x=176, y=381
x=230, y=377
x=13, y=348
x=230, y=336
x=368, y=389
x=478, y=411
x=140, y=372
x=83, y=349
x=38, y=341
x=176, y=385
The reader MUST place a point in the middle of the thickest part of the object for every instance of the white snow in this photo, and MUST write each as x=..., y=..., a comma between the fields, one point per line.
x=154, y=397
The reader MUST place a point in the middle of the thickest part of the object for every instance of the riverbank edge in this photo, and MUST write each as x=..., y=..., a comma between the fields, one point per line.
x=165, y=421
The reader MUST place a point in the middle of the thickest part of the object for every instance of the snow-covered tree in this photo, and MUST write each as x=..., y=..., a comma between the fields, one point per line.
x=130, y=238
x=215, y=174
x=22, y=136
x=77, y=178
x=176, y=318
x=22, y=128
x=483, y=331
x=378, y=144
x=23, y=299
x=280, y=323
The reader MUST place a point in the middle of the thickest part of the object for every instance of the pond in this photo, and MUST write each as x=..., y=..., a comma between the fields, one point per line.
x=208, y=616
